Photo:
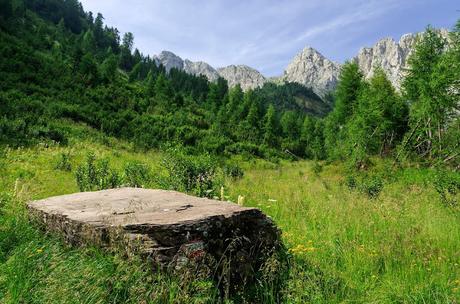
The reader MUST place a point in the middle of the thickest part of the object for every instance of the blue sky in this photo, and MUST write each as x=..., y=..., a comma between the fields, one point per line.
x=267, y=34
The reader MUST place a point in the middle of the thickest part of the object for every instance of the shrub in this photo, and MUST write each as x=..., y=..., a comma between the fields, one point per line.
x=317, y=168
x=187, y=173
x=447, y=185
x=350, y=181
x=63, y=162
x=136, y=174
x=372, y=186
x=96, y=175
x=233, y=170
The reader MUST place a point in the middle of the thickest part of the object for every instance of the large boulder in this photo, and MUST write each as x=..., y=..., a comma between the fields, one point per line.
x=169, y=228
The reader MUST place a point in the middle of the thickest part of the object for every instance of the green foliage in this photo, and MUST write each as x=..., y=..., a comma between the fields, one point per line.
x=136, y=175
x=96, y=175
x=347, y=93
x=63, y=162
x=270, y=127
x=369, y=184
x=233, y=170
x=193, y=174
x=432, y=88
x=372, y=185
x=447, y=185
x=378, y=121
x=317, y=168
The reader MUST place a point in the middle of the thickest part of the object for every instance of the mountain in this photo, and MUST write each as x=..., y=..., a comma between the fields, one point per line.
x=246, y=77
x=200, y=68
x=389, y=55
x=309, y=67
x=313, y=70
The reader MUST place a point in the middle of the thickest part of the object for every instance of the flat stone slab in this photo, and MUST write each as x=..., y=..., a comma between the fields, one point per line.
x=167, y=227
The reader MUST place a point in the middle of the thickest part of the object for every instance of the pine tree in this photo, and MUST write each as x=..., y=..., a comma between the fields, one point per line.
x=270, y=128
x=109, y=68
x=428, y=88
x=126, y=58
x=163, y=90
x=346, y=96
x=99, y=31
x=307, y=135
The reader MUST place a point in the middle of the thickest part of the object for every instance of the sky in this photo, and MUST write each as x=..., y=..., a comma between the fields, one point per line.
x=267, y=34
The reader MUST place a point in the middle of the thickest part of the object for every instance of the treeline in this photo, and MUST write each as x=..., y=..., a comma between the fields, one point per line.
x=60, y=62
x=422, y=123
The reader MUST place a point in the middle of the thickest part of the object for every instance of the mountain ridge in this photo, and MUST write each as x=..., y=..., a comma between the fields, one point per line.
x=309, y=67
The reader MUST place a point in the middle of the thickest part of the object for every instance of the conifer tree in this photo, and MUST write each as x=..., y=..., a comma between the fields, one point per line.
x=346, y=96
x=270, y=128
x=428, y=88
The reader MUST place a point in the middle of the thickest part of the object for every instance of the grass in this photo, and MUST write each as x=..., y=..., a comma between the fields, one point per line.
x=402, y=246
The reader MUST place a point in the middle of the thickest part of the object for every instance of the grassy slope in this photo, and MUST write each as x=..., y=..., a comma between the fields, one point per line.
x=403, y=246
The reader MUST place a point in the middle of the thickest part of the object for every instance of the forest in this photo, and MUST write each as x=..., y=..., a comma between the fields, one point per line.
x=64, y=63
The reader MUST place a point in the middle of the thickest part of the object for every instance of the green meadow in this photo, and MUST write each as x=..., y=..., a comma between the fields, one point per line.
x=345, y=244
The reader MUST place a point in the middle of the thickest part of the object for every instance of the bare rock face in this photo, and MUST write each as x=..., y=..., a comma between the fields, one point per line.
x=313, y=70
x=247, y=77
x=200, y=68
x=391, y=56
x=169, y=60
x=169, y=228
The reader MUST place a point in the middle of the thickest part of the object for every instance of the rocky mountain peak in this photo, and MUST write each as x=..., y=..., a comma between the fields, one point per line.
x=200, y=68
x=312, y=69
x=389, y=55
x=247, y=77
x=309, y=67
x=169, y=60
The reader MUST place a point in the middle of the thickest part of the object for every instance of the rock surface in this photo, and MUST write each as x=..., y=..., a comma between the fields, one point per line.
x=313, y=70
x=247, y=77
x=200, y=68
x=169, y=60
x=169, y=228
x=390, y=56
x=309, y=67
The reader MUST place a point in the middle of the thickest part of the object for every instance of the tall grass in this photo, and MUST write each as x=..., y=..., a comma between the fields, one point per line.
x=399, y=246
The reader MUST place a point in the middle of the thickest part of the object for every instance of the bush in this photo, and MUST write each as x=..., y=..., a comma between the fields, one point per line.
x=187, y=173
x=350, y=181
x=233, y=170
x=372, y=186
x=63, y=162
x=136, y=174
x=447, y=185
x=96, y=175
x=317, y=168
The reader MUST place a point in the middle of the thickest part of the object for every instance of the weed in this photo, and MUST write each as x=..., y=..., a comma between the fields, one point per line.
x=233, y=170
x=447, y=185
x=195, y=174
x=96, y=175
x=136, y=174
x=317, y=168
x=63, y=162
x=372, y=186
